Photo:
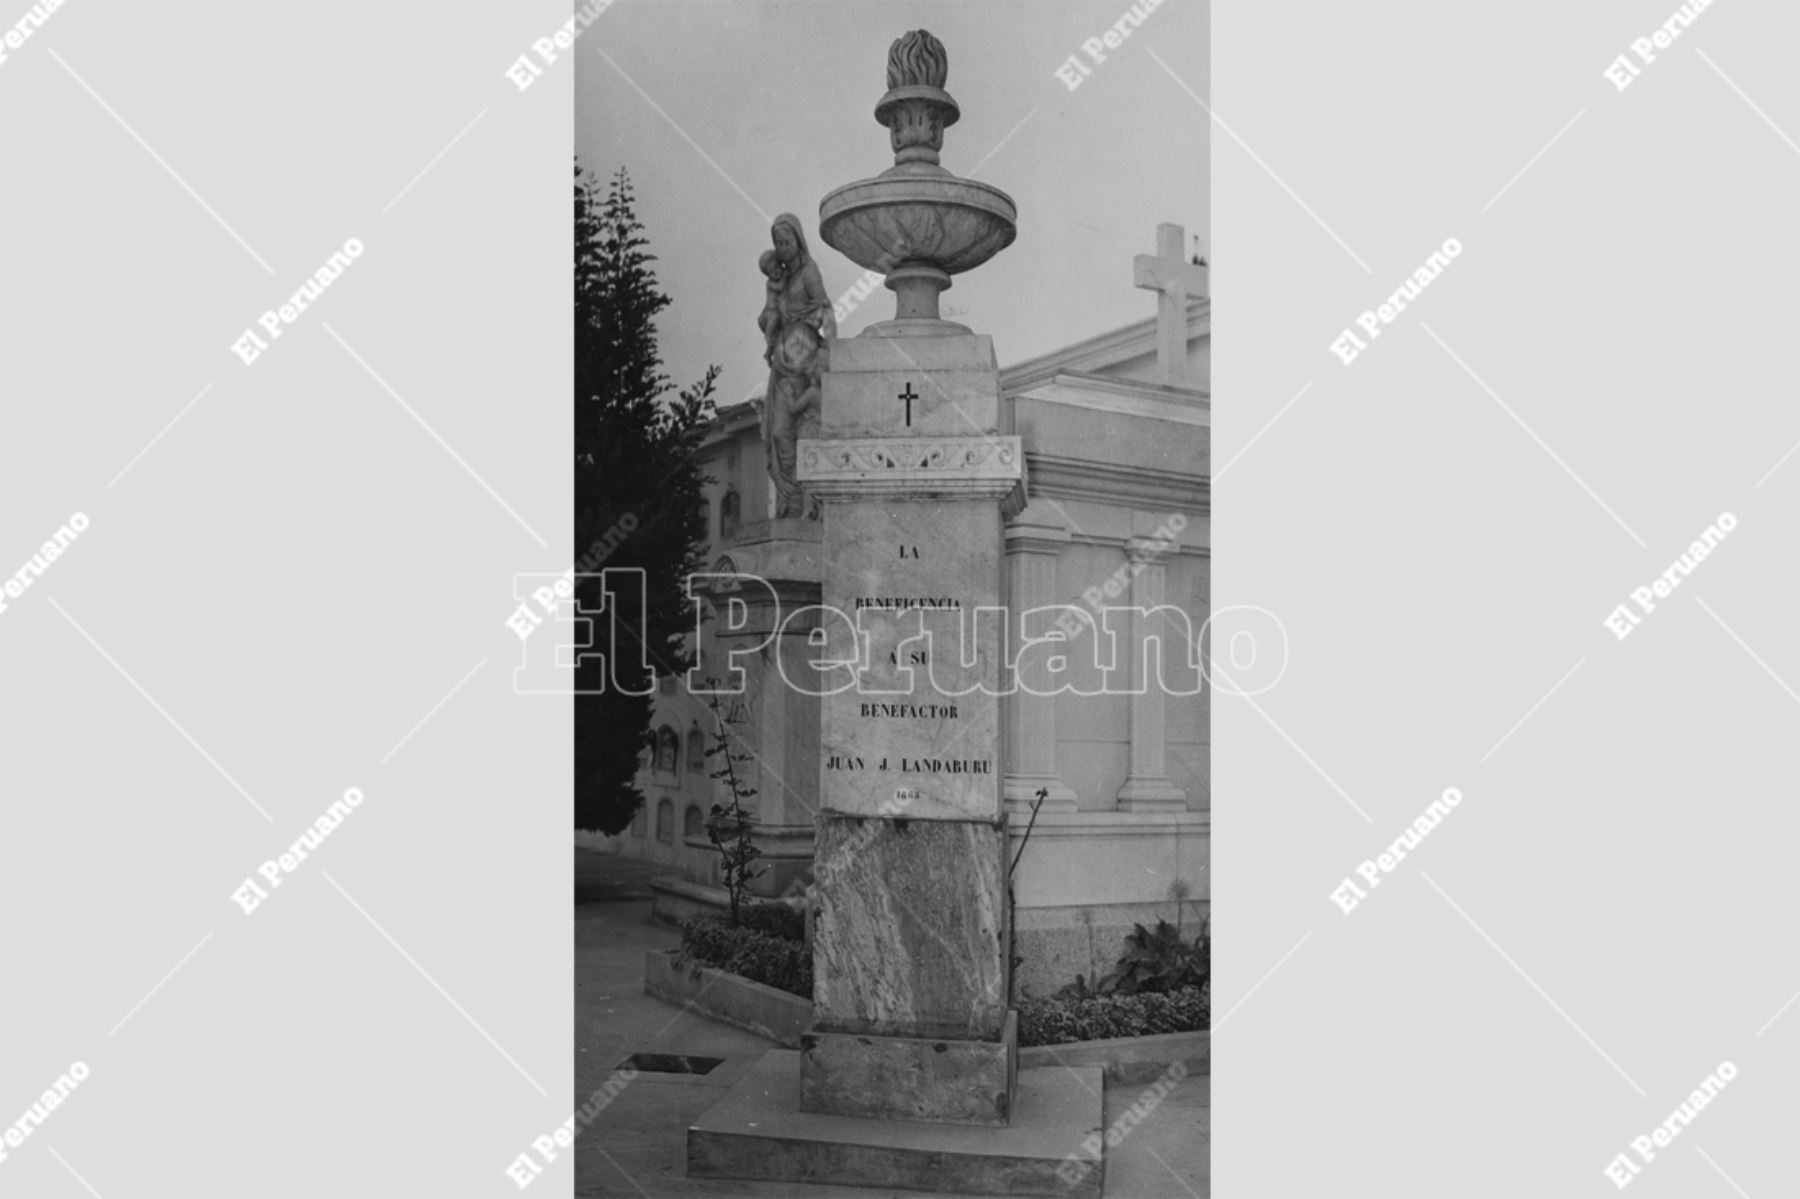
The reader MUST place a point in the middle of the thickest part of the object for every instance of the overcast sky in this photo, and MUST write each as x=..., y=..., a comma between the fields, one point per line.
x=780, y=96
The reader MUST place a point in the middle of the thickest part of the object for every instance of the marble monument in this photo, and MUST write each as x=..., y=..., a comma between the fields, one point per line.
x=913, y=1046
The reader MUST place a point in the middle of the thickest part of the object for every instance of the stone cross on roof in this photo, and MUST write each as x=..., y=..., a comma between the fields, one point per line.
x=1169, y=273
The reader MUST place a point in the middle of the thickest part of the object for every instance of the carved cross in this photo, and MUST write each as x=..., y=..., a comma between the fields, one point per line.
x=909, y=397
x=1174, y=279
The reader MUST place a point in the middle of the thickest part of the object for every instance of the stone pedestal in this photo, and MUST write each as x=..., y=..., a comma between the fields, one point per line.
x=938, y=1080
x=912, y=927
x=759, y=1132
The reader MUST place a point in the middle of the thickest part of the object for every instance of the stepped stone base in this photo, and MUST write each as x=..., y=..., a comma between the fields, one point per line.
x=758, y=1132
x=910, y=1078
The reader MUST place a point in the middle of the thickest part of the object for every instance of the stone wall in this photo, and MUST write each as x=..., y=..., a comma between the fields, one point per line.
x=1085, y=879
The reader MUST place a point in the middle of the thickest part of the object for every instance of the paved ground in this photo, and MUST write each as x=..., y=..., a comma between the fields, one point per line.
x=604, y=877
x=636, y=1146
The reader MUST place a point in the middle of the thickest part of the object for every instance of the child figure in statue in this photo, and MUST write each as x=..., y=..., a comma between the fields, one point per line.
x=770, y=320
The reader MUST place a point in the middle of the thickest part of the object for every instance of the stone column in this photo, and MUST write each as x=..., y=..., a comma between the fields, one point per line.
x=1148, y=787
x=912, y=932
x=1034, y=541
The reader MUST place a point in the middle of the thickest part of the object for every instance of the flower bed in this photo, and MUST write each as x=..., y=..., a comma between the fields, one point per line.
x=768, y=946
x=1061, y=1020
x=760, y=948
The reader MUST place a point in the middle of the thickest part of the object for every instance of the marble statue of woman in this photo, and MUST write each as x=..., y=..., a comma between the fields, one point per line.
x=796, y=319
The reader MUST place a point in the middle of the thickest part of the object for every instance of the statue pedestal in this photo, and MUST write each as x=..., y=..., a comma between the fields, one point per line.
x=912, y=929
x=909, y=1074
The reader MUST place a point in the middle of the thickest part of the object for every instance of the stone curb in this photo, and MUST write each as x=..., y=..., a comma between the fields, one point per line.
x=674, y=900
x=728, y=998
x=1127, y=1059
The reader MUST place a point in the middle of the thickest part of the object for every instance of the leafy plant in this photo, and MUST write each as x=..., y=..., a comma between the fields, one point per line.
x=729, y=827
x=1159, y=961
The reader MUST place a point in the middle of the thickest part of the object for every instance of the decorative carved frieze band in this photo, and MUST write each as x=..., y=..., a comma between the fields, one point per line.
x=984, y=467
x=924, y=458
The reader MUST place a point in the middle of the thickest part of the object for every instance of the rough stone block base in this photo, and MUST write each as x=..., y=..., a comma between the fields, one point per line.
x=910, y=1078
x=912, y=930
x=758, y=1132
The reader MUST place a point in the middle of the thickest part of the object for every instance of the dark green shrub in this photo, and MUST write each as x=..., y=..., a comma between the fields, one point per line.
x=774, y=920
x=773, y=961
x=1060, y=1019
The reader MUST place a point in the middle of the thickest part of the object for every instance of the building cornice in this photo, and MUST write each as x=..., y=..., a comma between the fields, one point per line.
x=1112, y=824
x=1123, y=397
x=1066, y=478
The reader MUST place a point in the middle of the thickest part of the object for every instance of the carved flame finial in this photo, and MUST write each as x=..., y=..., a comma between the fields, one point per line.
x=917, y=109
x=917, y=58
